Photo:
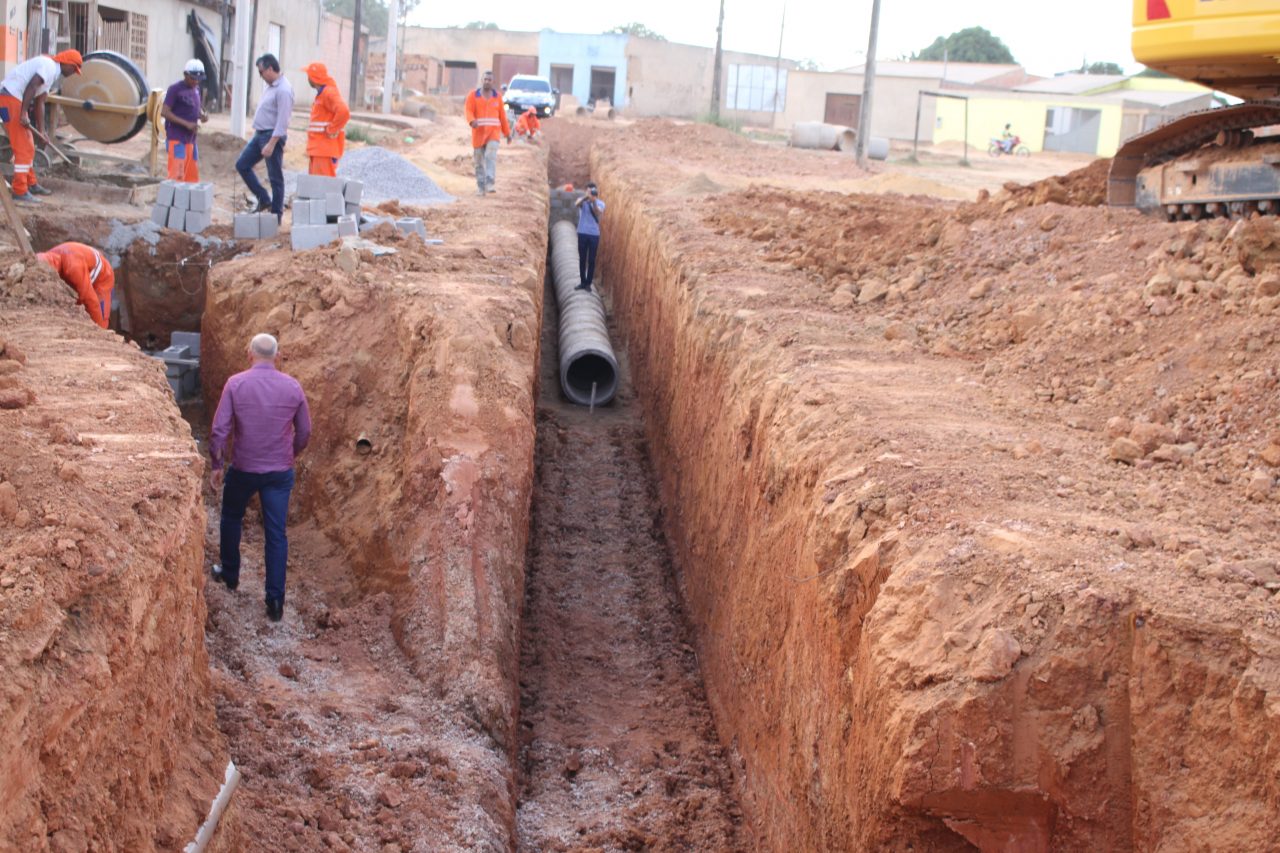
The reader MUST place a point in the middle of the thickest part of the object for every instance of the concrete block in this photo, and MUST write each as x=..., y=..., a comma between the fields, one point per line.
x=201, y=197
x=244, y=226
x=412, y=225
x=268, y=225
x=352, y=192
x=312, y=236
x=301, y=210
x=334, y=204
x=190, y=340
x=352, y=210
x=160, y=215
x=164, y=193
x=317, y=210
x=347, y=226
x=196, y=221
x=308, y=188
x=176, y=217
x=182, y=196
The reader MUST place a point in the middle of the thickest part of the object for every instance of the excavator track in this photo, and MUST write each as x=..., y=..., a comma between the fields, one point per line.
x=1162, y=171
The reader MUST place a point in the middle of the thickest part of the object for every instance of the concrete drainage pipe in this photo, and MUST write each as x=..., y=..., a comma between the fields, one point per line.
x=827, y=137
x=586, y=356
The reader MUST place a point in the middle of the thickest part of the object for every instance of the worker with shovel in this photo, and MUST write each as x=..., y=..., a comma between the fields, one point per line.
x=88, y=273
x=27, y=84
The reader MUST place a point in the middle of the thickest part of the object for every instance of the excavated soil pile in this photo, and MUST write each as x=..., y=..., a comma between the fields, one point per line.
x=392, y=679
x=1085, y=187
x=109, y=735
x=976, y=509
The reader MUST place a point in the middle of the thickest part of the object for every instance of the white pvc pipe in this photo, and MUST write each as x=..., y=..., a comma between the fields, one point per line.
x=210, y=826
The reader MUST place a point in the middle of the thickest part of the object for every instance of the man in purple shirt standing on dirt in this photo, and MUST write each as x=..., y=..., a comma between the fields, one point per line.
x=265, y=414
x=183, y=113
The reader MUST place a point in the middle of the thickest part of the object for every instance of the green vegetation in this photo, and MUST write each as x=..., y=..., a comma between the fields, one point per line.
x=974, y=44
x=635, y=29
x=373, y=13
x=479, y=25
x=721, y=121
x=1101, y=68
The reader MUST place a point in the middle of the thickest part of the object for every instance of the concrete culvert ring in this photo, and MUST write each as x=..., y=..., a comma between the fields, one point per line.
x=585, y=369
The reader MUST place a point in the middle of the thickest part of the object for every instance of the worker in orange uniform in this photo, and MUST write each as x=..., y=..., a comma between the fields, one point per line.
x=26, y=85
x=326, y=136
x=528, y=125
x=487, y=116
x=88, y=273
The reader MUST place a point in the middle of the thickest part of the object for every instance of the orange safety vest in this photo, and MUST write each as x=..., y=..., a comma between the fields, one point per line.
x=490, y=116
x=528, y=123
x=89, y=274
x=329, y=115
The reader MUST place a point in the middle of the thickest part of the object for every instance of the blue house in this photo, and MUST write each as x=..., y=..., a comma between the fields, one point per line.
x=589, y=67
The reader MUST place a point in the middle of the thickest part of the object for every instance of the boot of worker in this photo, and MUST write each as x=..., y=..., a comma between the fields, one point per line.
x=39, y=189
x=26, y=198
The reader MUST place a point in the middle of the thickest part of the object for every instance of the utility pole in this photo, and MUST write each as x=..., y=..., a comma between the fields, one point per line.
x=240, y=67
x=777, y=64
x=393, y=45
x=353, y=94
x=715, y=74
x=868, y=87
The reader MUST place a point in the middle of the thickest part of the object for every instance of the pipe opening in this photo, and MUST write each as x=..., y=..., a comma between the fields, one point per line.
x=364, y=446
x=583, y=371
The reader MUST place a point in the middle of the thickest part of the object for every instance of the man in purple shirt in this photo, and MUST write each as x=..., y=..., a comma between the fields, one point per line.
x=270, y=130
x=183, y=113
x=264, y=413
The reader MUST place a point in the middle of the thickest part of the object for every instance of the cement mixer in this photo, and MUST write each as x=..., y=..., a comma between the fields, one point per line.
x=108, y=102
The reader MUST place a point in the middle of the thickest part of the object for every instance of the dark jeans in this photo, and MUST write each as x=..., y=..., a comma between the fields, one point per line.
x=587, y=246
x=273, y=489
x=250, y=157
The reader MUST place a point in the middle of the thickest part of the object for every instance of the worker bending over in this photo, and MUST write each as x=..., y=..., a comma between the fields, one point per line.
x=528, y=126
x=89, y=274
x=183, y=112
x=26, y=85
x=326, y=136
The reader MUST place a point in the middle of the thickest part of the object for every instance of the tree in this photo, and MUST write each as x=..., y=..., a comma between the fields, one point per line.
x=807, y=65
x=974, y=44
x=1101, y=68
x=635, y=29
x=373, y=13
x=480, y=25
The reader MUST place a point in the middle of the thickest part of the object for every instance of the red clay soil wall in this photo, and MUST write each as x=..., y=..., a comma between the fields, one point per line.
x=431, y=354
x=905, y=649
x=109, y=740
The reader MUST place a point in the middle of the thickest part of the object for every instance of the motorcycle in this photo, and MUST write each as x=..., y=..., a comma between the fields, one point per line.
x=1015, y=147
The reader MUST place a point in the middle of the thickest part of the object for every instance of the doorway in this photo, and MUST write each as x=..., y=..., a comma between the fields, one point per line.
x=603, y=81
x=561, y=81
x=843, y=109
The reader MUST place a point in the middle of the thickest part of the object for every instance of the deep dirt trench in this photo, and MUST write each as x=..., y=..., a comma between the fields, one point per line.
x=618, y=748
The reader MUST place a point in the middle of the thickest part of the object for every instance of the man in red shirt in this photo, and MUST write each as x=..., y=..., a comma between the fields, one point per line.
x=487, y=115
x=264, y=414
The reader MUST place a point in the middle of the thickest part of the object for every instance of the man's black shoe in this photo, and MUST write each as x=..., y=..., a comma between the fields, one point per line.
x=222, y=578
x=262, y=207
x=275, y=609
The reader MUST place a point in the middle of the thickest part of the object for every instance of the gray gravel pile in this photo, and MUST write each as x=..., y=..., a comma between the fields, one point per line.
x=388, y=176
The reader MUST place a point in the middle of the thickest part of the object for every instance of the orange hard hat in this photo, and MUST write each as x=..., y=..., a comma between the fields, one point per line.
x=69, y=57
x=568, y=188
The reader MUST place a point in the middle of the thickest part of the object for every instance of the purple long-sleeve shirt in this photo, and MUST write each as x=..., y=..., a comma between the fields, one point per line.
x=266, y=413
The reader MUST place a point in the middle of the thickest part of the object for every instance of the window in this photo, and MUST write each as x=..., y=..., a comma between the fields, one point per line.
x=756, y=88
x=275, y=38
x=138, y=40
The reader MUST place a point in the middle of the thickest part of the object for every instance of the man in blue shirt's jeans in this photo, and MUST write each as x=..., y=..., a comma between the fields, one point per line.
x=590, y=209
x=270, y=128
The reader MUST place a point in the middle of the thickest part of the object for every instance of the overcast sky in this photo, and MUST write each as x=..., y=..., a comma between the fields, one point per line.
x=1046, y=36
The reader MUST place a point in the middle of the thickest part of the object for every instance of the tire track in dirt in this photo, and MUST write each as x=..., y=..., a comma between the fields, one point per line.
x=618, y=746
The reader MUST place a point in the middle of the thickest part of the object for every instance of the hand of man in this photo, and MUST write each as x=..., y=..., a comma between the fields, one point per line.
x=215, y=478
x=269, y=148
x=204, y=117
x=25, y=120
x=472, y=123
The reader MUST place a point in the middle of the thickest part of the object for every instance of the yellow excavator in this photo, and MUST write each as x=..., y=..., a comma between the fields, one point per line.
x=1218, y=162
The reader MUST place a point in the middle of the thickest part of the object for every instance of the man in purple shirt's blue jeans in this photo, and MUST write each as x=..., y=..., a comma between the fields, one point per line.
x=264, y=414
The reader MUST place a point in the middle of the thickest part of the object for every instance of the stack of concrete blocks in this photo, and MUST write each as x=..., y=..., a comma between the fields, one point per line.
x=183, y=206
x=324, y=209
x=255, y=226
x=412, y=225
x=182, y=364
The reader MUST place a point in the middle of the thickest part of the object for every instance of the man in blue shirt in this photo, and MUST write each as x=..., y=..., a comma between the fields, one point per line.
x=590, y=209
x=270, y=129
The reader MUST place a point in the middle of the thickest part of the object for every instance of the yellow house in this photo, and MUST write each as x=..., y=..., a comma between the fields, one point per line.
x=1091, y=114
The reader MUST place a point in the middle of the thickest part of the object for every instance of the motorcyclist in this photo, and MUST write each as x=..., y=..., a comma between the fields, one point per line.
x=1007, y=138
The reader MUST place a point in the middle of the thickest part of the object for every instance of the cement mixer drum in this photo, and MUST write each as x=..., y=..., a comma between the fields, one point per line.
x=107, y=78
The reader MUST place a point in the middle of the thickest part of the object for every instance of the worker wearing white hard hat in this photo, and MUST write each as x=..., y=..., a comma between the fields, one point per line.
x=183, y=112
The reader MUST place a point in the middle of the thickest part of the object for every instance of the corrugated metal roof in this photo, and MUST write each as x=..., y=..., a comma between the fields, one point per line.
x=956, y=72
